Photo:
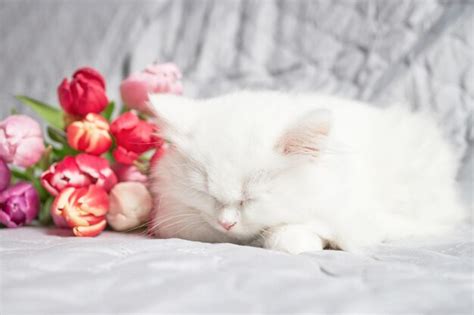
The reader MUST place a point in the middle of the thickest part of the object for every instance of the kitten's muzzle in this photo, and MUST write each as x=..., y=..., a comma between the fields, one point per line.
x=226, y=224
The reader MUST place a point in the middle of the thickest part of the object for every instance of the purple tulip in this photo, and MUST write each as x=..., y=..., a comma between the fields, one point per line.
x=19, y=205
x=5, y=175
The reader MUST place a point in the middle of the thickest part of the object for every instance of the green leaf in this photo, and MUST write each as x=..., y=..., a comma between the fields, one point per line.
x=57, y=135
x=34, y=178
x=108, y=155
x=19, y=175
x=124, y=109
x=44, y=216
x=51, y=115
x=46, y=158
x=61, y=153
x=143, y=116
x=109, y=110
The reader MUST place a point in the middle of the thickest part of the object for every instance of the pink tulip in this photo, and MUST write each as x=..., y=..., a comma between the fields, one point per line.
x=128, y=173
x=156, y=78
x=21, y=140
x=79, y=171
x=5, y=176
x=130, y=206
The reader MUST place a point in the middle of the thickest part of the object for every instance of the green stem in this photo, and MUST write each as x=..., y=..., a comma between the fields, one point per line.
x=19, y=174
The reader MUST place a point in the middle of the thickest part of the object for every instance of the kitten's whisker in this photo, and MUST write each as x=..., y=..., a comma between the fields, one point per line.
x=136, y=227
x=177, y=223
x=190, y=225
x=170, y=218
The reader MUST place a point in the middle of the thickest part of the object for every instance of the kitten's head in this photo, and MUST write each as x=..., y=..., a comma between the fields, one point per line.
x=241, y=168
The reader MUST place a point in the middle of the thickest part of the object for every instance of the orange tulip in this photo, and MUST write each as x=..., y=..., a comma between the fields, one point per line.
x=90, y=135
x=83, y=209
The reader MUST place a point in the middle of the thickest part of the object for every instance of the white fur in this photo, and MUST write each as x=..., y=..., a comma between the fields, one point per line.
x=298, y=172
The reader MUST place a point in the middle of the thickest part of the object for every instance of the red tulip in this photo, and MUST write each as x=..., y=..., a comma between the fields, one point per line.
x=90, y=135
x=83, y=209
x=133, y=137
x=79, y=171
x=84, y=94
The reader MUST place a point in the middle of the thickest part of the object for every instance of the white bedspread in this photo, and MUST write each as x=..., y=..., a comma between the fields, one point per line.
x=43, y=272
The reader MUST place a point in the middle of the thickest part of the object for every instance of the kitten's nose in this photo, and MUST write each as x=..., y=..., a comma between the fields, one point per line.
x=227, y=225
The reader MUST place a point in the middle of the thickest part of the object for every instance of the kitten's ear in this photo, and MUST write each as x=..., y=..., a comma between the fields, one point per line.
x=307, y=135
x=173, y=114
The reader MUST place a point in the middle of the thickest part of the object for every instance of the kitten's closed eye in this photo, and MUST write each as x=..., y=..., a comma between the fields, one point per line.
x=218, y=204
x=247, y=202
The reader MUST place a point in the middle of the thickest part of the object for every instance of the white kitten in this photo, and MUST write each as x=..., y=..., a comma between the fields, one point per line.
x=299, y=172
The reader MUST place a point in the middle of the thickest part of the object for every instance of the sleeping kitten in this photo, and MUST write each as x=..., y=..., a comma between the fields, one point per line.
x=299, y=173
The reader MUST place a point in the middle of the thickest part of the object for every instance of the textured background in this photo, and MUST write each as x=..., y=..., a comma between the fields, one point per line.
x=418, y=53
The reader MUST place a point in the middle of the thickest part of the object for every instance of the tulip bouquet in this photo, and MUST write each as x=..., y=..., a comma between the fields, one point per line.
x=89, y=168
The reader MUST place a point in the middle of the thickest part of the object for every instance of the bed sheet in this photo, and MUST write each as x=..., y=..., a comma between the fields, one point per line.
x=48, y=272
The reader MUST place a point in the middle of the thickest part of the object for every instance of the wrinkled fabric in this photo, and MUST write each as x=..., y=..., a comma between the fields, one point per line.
x=416, y=53
x=123, y=273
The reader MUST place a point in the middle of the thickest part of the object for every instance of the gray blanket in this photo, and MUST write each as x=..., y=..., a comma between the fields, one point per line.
x=409, y=53
x=43, y=272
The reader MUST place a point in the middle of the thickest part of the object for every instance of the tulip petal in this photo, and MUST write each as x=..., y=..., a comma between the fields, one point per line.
x=75, y=132
x=94, y=201
x=130, y=205
x=5, y=175
x=60, y=203
x=90, y=74
x=91, y=230
x=84, y=94
x=5, y=220
x=7, y=150
x=129, y=173
x=16, y=206
x=29, y=152
x=19, y=204
x=63, y=174
x=32, y=204
x=94, y=96
x=123, y=156
x=98, y=169
x=82, y=207
x=66, y=98
x=21, y=140
x=134, y=90
x=90, y=135
x=127, y=120
x=21, y=126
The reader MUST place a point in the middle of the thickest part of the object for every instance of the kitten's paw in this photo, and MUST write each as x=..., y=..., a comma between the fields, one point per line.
x=293, y=239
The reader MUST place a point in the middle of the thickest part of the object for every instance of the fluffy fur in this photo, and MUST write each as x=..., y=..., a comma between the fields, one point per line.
x=299, y=172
